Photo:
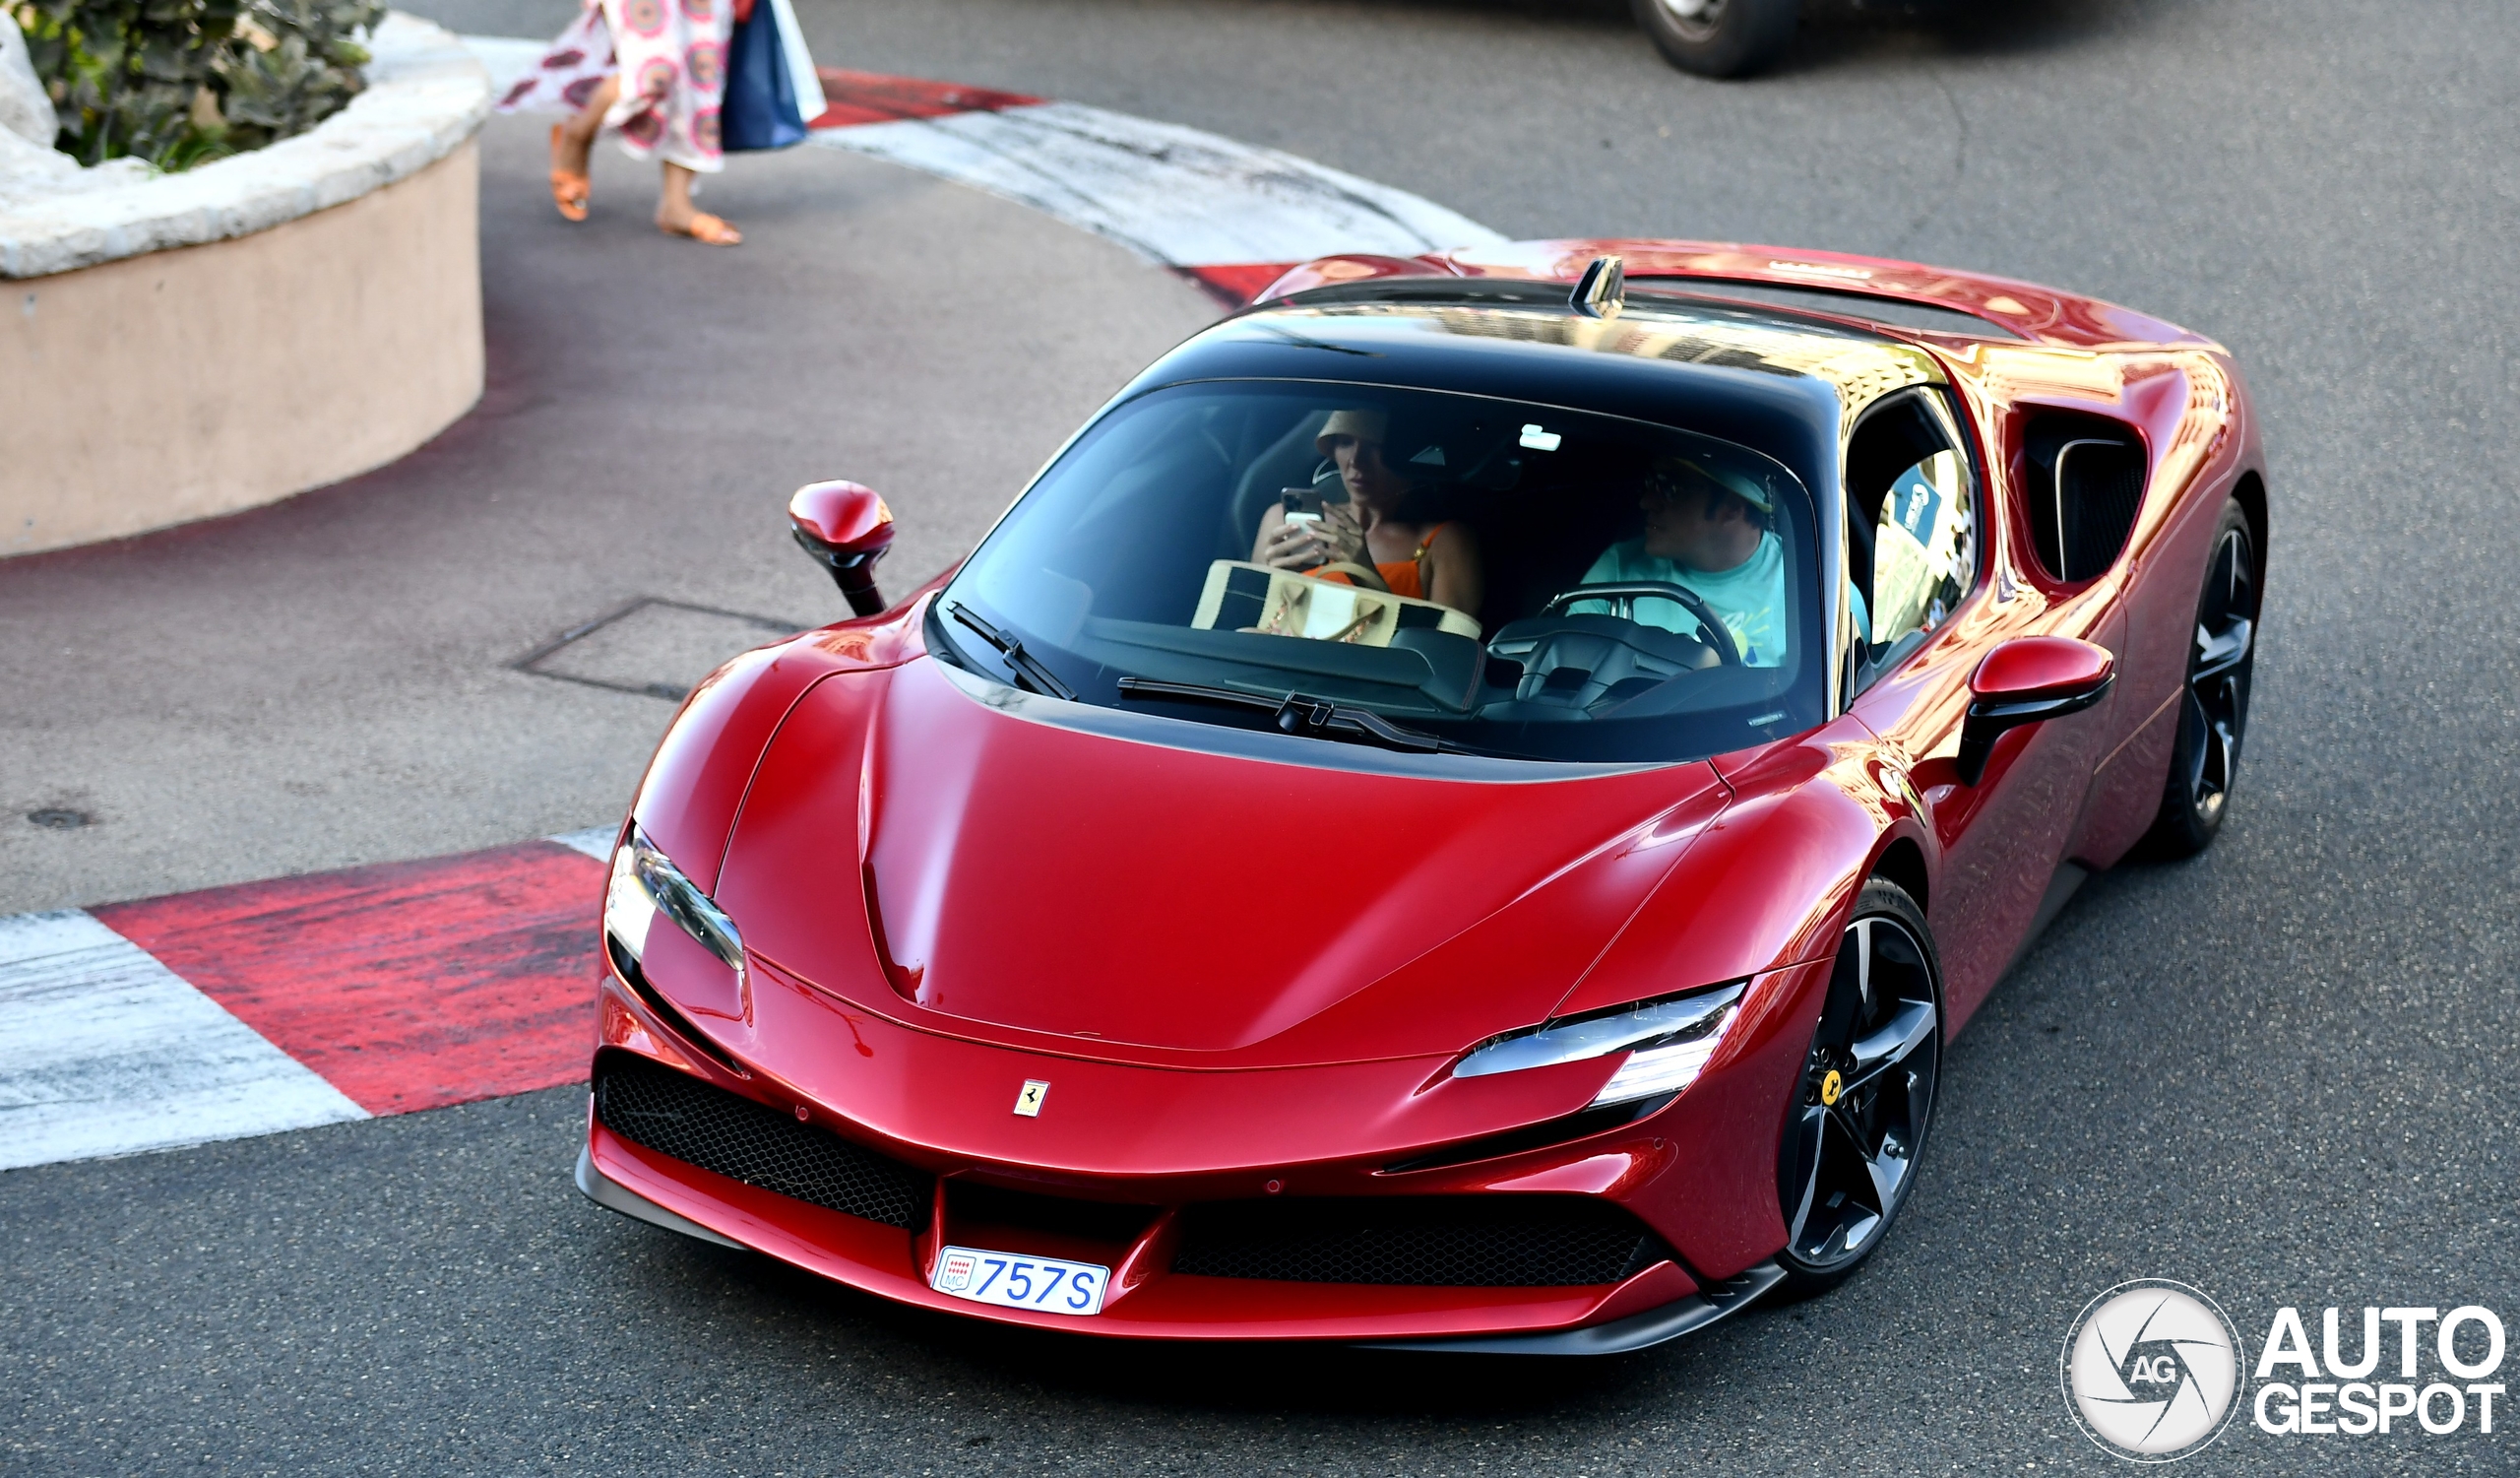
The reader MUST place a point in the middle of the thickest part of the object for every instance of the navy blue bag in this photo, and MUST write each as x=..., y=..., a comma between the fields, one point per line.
x=760, y=111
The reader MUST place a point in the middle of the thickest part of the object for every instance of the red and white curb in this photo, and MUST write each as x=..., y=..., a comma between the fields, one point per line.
x=1227, y=214
x=382, y=989
x=298, y=1001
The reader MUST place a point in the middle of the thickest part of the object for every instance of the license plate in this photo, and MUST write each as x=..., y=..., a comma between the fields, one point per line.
x=1013, y=1280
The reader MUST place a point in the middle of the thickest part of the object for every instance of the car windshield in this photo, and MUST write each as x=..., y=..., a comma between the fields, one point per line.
x=1408, y=568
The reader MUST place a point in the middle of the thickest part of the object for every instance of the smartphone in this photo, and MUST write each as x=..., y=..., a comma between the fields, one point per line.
x=1302, y=505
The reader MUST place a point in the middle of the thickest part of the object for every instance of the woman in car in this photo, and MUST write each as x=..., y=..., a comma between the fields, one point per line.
x=1428, y=560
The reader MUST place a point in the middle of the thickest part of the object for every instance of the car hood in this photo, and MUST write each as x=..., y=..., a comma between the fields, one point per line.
x=995, y=869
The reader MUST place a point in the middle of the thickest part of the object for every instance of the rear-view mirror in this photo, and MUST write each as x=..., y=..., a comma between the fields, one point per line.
x=847, y=527
x=2027, y=680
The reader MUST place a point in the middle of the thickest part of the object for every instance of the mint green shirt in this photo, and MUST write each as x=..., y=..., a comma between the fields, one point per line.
x=1749, y=597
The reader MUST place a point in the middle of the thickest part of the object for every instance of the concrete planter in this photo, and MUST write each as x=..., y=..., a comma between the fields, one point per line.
x=191, y=344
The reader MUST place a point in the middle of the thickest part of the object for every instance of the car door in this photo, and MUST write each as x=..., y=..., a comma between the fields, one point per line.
x=1946, y=579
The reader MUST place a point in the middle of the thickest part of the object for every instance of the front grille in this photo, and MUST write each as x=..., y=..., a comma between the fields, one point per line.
x=1061, y=1216
x=675, y=1114
x=1442, y=1241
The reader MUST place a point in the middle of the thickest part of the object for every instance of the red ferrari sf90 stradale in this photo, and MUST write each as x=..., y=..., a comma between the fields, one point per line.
x=1460, y=812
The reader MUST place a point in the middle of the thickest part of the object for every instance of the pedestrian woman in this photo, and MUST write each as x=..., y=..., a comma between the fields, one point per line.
x=655, y=73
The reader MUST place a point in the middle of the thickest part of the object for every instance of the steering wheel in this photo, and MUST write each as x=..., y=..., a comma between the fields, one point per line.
x=1621, y=597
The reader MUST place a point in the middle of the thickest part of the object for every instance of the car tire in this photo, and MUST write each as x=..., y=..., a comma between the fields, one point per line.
x=1855, y=1131
x=2213, y=710
x=1718, y=37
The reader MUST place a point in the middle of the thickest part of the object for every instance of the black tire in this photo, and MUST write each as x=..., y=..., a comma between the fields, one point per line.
x=2213, y=712
x=1855, y=1132
x=1718, y=37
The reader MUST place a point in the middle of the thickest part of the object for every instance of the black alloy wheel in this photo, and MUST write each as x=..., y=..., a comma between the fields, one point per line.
x=1718, y=37
x=2213, y=713
x=1858, y=1121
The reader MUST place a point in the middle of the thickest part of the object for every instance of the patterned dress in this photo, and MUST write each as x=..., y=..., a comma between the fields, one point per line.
x=671, y=58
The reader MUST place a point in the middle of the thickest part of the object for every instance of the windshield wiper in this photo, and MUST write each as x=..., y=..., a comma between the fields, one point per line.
x=1317, y=718
x=1027, y=668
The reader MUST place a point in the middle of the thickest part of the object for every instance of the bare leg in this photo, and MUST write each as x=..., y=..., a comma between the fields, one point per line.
x=576, y=137
x=676, y=213
x=675, y=209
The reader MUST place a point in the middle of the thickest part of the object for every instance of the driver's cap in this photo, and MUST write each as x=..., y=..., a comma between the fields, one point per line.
x=1745, y=488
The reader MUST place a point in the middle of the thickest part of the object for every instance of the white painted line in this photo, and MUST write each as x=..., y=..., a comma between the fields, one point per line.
x=1178, y=196
x=103, y=1051
x=595, y=840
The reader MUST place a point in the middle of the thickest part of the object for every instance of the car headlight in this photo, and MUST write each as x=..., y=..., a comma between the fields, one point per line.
x=644, y=883
x=1667, y=1044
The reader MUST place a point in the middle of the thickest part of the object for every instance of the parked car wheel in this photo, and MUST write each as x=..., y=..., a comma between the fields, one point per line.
x=1719, y=37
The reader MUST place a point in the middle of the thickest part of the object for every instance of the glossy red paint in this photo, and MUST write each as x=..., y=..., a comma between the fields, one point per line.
x=847, y=518
x=884, y=1261
x=2039, y=667
x=702, y=768
x=1511, y=889
x=945, y=893
x=2036, y=313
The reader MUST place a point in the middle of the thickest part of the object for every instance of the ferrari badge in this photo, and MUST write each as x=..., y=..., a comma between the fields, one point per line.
x=1027, y=1103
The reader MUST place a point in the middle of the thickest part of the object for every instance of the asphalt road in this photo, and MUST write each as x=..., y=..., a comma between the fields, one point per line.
x=2278, y=1072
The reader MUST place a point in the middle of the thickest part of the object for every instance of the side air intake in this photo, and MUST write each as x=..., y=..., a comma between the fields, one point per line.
x=2085, y=486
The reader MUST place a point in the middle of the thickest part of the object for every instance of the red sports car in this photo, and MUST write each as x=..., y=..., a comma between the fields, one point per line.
x=1458, y=812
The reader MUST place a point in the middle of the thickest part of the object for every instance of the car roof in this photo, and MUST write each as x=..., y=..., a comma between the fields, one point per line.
x=1777, y=382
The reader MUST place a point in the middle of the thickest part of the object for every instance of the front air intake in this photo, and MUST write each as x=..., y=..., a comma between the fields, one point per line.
x=675, y=1114
x=1438, y=1242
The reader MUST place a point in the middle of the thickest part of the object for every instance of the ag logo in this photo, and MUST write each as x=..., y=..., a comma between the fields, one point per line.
x=2152, y=1371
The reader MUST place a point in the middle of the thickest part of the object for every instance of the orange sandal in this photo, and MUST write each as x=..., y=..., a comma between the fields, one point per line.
x=706, y=230
x=569, y=190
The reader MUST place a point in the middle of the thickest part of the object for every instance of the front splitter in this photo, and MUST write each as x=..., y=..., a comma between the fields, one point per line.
x=1620, y=1336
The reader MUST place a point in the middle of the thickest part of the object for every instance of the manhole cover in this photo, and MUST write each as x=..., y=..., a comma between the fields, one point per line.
x=657, y=648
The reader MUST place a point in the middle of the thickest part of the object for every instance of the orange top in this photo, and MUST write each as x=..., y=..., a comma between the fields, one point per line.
x=1406, y=577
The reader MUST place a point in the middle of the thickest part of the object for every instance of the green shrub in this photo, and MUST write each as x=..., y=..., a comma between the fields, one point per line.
x=178, y=81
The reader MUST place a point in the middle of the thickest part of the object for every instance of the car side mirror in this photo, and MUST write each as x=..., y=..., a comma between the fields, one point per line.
x=847, y=527
x=2027, y=680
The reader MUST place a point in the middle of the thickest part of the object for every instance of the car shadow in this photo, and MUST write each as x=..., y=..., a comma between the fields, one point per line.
x=1837, y=35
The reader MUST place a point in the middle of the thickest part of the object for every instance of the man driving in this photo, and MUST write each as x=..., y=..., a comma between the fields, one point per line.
x=1706, y=530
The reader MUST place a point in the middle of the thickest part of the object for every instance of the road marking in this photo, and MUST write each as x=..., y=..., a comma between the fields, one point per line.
x=405, y=985
x=103, y=1051
x=1228, y=214
x=1180, y=197
x=595, y=842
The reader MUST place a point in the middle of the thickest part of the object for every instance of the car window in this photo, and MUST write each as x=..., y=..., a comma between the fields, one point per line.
x=1911, y=527
x=1923, y=551
x=1512, y=579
